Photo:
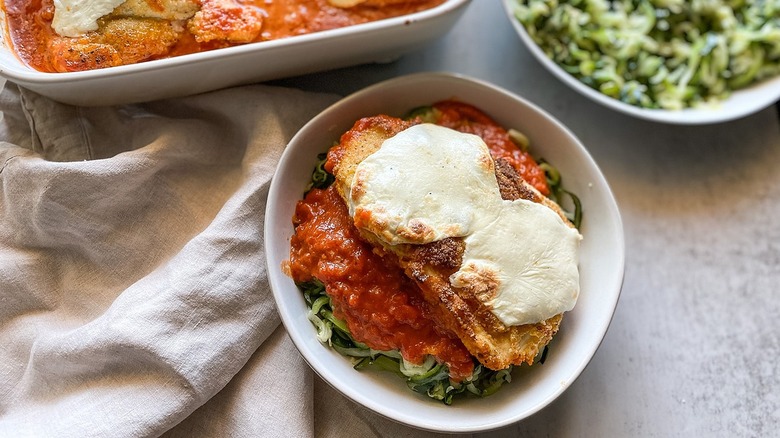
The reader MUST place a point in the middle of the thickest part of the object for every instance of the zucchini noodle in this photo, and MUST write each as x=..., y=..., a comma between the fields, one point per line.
x=320, y=178
x=663, y=54
x=430, y=378
x=559, y=194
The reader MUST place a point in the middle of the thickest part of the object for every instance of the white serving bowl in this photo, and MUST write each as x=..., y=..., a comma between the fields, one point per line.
x=378, y=41
x=601, y=257
x=740, y=104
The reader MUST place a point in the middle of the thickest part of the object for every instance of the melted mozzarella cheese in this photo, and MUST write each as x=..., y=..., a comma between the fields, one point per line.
x=415, y=193
x=531, y=256
x=77, y=17
x=428, y=183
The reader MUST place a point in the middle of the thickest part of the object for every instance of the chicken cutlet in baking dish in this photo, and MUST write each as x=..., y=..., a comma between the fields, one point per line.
x=435, y=238
x=77, y=35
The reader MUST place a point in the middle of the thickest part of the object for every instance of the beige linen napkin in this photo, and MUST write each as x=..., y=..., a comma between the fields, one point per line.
x=132, y=277
x=133, y=292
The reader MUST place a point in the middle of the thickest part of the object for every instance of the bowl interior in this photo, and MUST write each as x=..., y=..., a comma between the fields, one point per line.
x=739, y=104
x=601, y=257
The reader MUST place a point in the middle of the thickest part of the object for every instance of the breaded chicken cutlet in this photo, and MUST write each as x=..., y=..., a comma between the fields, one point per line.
x=430, y=265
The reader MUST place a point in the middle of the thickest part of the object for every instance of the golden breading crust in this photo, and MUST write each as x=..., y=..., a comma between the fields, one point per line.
x=159, y=9
x=494, y=344
x=118, y=41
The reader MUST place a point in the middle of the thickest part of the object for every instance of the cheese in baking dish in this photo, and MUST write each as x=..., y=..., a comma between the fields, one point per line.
x=76, y=17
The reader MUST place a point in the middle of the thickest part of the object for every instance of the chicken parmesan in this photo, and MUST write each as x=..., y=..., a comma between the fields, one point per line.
x=77, y=35
x=433, y=237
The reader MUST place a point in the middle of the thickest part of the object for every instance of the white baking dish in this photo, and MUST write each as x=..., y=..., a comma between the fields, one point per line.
x=196, y=73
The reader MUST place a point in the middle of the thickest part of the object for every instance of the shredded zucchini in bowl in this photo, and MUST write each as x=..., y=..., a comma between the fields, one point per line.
x=430, y=378
x=662, y=54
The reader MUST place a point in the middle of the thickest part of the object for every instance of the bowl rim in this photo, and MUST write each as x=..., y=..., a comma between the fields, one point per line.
x=614, y=285
x=687, y=116
x=19, y=71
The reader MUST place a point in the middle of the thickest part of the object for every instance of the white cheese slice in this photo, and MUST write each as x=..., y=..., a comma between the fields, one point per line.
x=415, y=193
x=73, y=18
x=428, y=183
x=528, y=256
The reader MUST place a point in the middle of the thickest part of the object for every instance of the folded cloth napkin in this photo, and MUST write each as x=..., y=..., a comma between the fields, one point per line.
x=133, y=292
x=132, y=277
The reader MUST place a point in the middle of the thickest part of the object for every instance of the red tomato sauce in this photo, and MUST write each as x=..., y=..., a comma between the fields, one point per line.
x=382, y=307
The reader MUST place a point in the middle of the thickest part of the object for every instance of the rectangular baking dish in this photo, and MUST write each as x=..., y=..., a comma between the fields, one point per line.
x=377, y=41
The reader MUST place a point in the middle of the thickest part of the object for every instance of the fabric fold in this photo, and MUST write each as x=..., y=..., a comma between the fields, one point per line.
x=132, y=278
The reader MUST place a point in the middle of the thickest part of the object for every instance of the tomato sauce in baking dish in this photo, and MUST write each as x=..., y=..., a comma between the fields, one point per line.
x=52, y=40
x=382, y=307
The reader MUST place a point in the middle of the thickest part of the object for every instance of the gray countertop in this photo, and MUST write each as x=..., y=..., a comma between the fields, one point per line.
x=692, y=349
x=694, y=344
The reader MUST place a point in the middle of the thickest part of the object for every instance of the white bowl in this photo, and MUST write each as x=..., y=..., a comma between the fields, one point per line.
x=378, y=41
x=601, y=260
x=740, y=104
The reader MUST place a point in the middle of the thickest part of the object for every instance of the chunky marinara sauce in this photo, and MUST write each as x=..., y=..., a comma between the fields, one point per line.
x=382, y=307
x=35, y=41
